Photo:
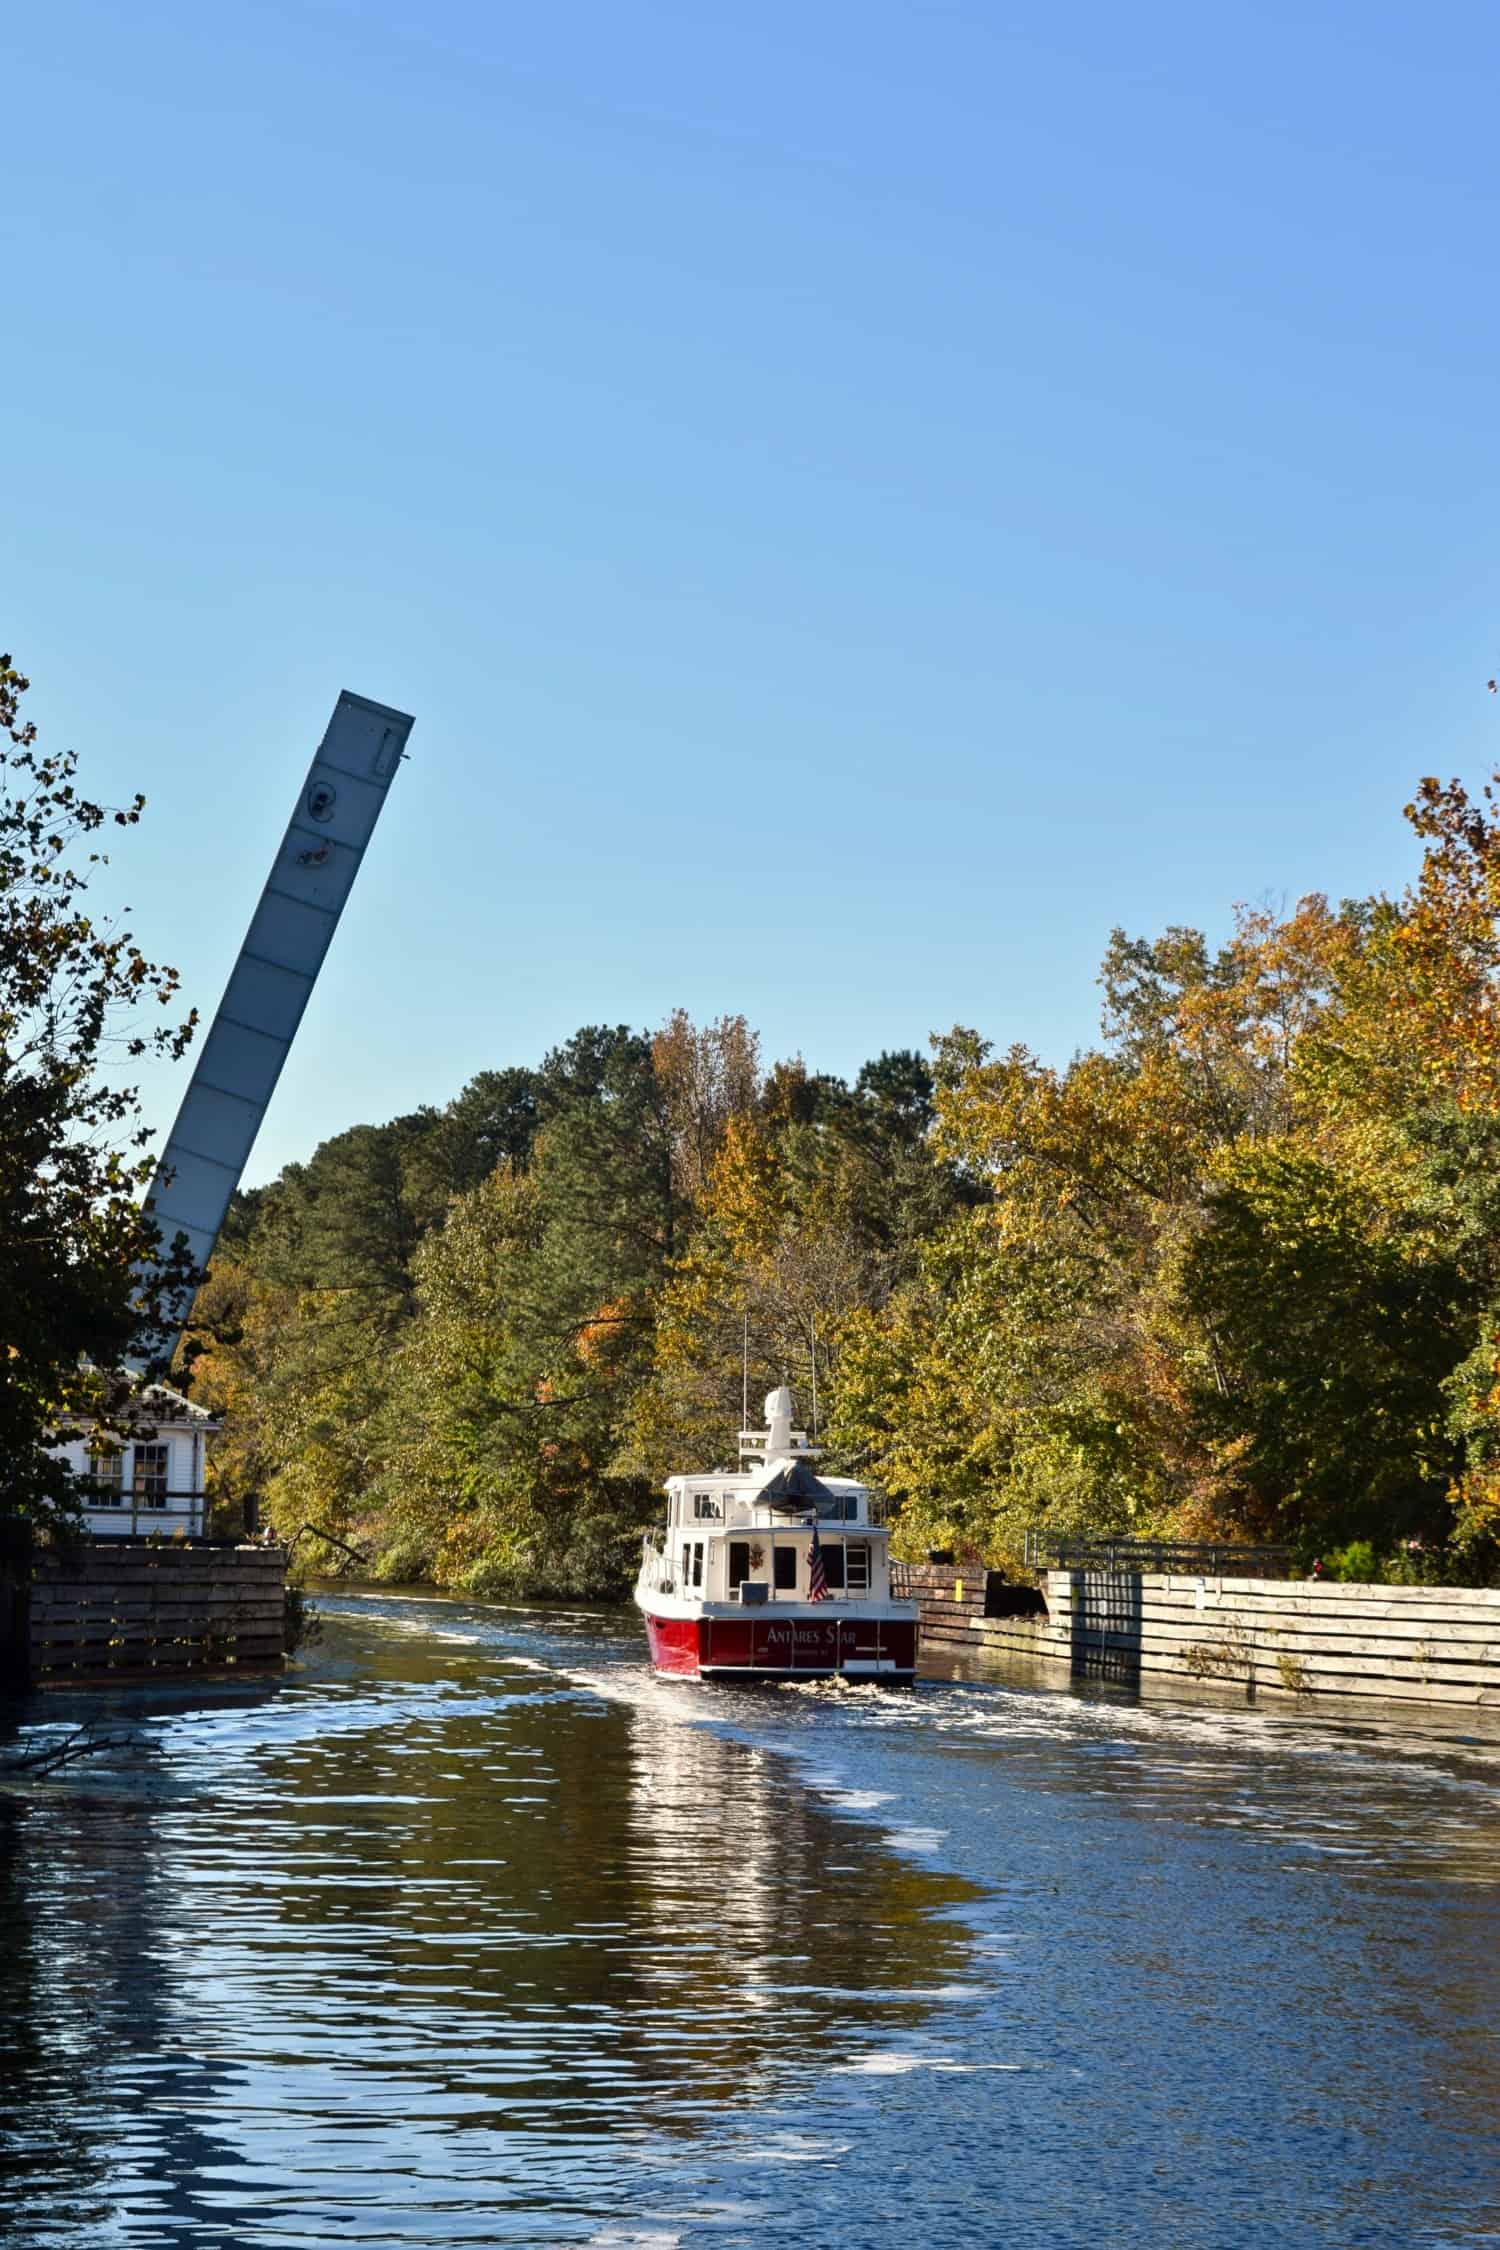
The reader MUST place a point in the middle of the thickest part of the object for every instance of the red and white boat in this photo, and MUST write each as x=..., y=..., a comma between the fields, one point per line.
x=773, y=1572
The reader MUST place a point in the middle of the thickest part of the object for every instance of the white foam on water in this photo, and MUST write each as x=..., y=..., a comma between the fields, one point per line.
x=631, y=2238
x=902, y=2066
x=915, y=1839
x=798, y=2148
x=997, y=1711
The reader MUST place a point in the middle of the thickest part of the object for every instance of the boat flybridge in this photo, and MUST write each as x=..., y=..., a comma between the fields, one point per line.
x=773, y=1572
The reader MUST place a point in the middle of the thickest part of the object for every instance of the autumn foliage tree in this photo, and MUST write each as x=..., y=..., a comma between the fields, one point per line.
x=73, y=1159
x=1236, y=1272
x=1232, y=1272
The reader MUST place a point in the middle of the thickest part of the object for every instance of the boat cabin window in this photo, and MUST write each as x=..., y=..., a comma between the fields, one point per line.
x=786, y=1570
x=857, y=1565
x=833, y=1564
x=692, y=1574
x=706, y=1508
x=739, y=1562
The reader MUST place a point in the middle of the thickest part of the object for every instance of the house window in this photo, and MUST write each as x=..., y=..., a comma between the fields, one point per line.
x=857, y=1565
x=739, y=1562
x=833, y=1564
x=149, y=1483
x=107, y=1470
x=786, y=1570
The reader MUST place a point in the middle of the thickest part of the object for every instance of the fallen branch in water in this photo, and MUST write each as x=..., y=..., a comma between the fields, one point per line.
x=83, y=1742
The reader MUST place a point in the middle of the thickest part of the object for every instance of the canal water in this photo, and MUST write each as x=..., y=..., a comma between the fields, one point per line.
x=474, y=1933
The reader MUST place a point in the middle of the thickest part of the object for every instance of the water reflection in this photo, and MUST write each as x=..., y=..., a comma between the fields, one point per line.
x=92, y=2041
x=476, y=1933
x=777, y=1934
x=435, y=1948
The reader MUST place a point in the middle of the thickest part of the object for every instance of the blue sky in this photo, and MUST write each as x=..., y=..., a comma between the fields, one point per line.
x=860, y=499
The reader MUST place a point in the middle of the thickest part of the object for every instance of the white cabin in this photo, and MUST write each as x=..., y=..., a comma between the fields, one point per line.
x=704, y=1557
x=151, y=1480
x=729, y=1530
x=773, y=1572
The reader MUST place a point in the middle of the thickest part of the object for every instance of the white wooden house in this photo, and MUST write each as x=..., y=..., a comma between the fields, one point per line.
x=152, y=1479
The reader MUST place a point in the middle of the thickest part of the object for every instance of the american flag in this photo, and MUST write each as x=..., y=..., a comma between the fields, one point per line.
x=817, y=1578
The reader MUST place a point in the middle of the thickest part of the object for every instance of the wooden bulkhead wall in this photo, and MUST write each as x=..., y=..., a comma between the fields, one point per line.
x=135, y=1609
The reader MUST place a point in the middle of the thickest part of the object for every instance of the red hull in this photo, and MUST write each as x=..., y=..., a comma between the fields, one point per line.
x=785, y=1648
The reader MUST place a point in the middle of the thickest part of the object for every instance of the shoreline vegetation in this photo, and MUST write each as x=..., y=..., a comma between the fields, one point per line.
x=1233, y=1273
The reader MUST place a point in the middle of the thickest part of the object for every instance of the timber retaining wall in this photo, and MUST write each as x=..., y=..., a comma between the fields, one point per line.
x=127, y=1609
x=1419, y=1644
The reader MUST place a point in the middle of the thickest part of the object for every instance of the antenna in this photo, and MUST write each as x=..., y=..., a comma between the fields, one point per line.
x=814, y=1333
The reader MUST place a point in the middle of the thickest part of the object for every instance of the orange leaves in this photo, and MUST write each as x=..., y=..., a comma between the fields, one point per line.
x=707, y=1078
x=598, y=1342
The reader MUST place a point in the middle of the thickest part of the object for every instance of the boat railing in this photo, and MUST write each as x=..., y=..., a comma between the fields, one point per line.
x=867, y=1510
x=656, y=1567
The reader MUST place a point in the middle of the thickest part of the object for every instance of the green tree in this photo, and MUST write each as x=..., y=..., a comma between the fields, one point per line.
x=293, y=1336
x=432, y=1353
x=72, y=1151
x=1332, y=1333
x=536, y=1308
